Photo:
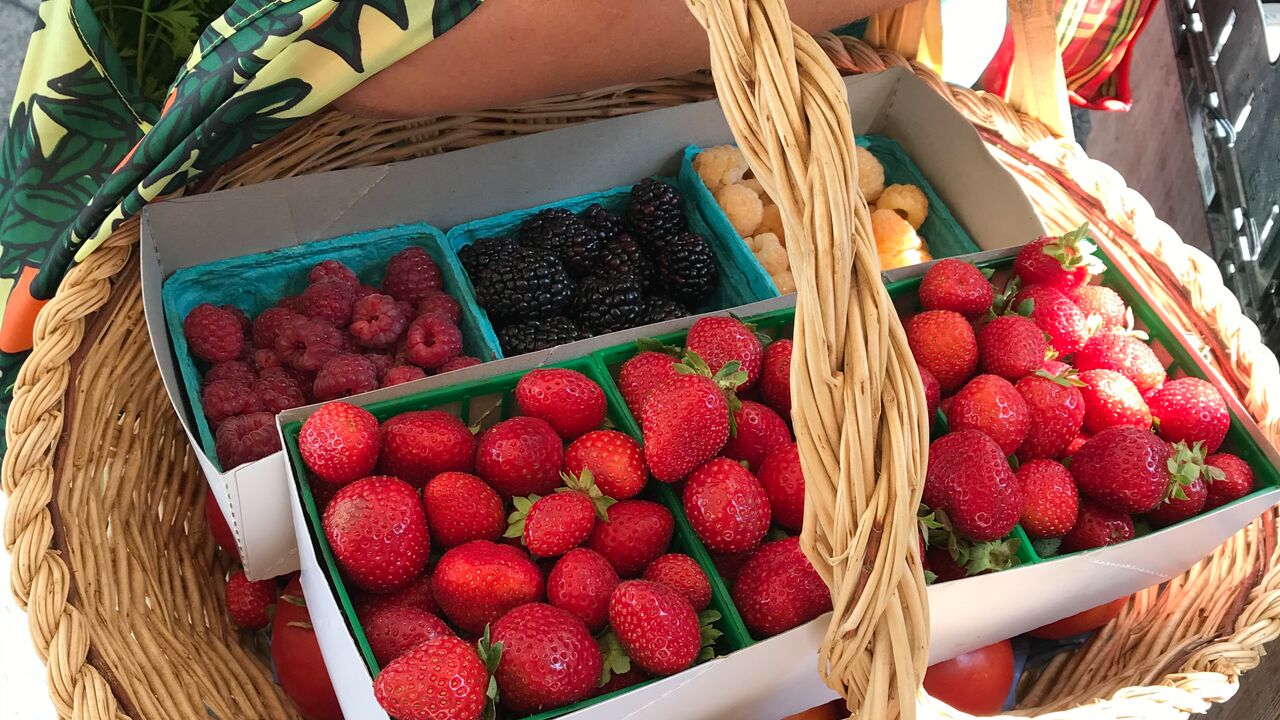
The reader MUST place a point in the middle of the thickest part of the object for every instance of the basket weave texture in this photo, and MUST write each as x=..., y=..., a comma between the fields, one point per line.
x=122, y=584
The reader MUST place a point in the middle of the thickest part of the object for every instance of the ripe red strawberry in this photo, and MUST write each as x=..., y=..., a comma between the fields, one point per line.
x=1191, y=410
x=1175, y=509
x=570, y=401
x=394, y=631
x=969, y=478
x=461, y=508
x=1011, y=346
x=958, y=286
x=1064, y=263
x=943, y=343
x=552, y=525
x=1125, y=354
x=1230, y=478
x=339, y=442
x=477, y=583
x=637, y=532
x=778, y=589
x=1096, y=526
x=932, y=393
x=760, y=431
x=218, y=527
x=1057, y=316
x=1111, y=400
x=1056, y=410
x=416, y=595
x=441, y=678
x=783, y=482
x=1103, y=303
x=582, y=581
x=722, y=340
x=548, y=659
x=657, y=627
x=727, y=507
x=520, y=456
x=1049, y=499
x=729, y=565
x=1076, y=443
x=250, y=603
x=775, y=377
x=684, y=402
x=418, y=445
x=378, y=532
x=643, y=373
x=1125, y=469
x=943, y=566
x=991, y=405
x=615, y=460
x=684, y=575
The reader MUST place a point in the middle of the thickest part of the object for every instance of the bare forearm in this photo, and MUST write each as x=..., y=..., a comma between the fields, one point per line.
x=509, y=51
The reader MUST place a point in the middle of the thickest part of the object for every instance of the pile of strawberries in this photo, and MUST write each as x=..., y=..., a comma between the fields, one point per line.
x=1060, y=416
x=336, y=338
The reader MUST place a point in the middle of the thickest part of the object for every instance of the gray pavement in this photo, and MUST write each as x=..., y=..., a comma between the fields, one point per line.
x=17, y=17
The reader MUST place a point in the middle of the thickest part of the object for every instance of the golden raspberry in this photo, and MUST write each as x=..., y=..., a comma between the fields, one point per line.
x=870, y=173
x=742, y=206
x=719, y=166
x=906, y=200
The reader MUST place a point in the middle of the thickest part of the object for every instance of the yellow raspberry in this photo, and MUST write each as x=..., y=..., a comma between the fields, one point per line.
x=906, y=200
x=870, y=173
x=753, y=243
x=912, y=256
x=893, y=234
x=772, y=256
x=785, y=282
x=755, y=186
x=719, y=166
x=742, y=206
x=771, y=222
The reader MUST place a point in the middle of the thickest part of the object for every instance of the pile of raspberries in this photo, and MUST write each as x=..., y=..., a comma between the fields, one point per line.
x=338, y=337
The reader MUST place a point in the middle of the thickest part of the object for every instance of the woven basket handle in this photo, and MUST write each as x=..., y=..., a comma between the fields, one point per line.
x=857, y=403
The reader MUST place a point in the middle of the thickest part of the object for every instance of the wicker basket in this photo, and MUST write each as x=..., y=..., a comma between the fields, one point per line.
x=123, y=584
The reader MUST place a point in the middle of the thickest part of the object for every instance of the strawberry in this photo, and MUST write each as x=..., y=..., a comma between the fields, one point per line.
x=477, y=583
x=969, y=478
x=1190, y=410
x=1049, y=499
x=416, y=595
x=694, y=399
x=778, y=589
x=656, y=626
x=637, y=532
x=684, y=575
x=520, y=456
x=441, y=678
x=250, y=603
x=1055, y=367
x=613, y=458
x=623, y=680
x=1076, y=443
x=1057, y=316
x=760, y=431
x=643, y=373
x=1065, y=262
x=944, y=567
x=783, y=483
x=394, y=631
x=461, y=508
x=1102, y=306
x=553, y=525
x=378, y=532
x=581, y=582
x=722, y=340
x=417, y=446
x=943, y=343
x=932, y=393
x=957, y=286
x=1011, y=346
x=339, y=443
x=1130, y=470
x=1175, y=509
x=775, y=377
x=1230, y=478
x=1056, y=410
x=1111, y=400
x=991, y=405
x=727, y=507
x=1127, y=355
x=549, y=659
x=729, y=565
x=960, y=558
x=218, y=527
x=570, y=401
x=1096, y=526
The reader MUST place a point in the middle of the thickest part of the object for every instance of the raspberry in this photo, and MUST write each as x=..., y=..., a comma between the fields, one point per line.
x=294, y=303
x=442, y=303
x=246, y=326
x=908, y=201
x=402, y=374
x=349, y=345
x=278, y=391
x=267, y=325
x=345, y=375
x=462, y=361
x=377, y=321
x=432, y=341
x=330, y=300
x=333, y=270
x=742, y=206
x=720, y=165
x=870, y=173
x=411, y=274
x=230, y=370
x=307, y=344
x=213, y=334
x=224, y=398
x=893, y=234
x=245, y=438
x=265, y=359
x=381, y=363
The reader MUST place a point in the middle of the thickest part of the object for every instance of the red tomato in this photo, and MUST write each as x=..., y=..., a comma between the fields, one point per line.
x=1083, y=622
x=833, y=710
x=296, y=654
x=976, y=682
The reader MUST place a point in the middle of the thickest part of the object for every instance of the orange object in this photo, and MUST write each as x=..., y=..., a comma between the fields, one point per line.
x=1081, y=622
x=976, y=682
x=20, y=314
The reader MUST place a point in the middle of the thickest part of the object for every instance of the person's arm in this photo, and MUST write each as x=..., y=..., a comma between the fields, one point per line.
x=510, y=51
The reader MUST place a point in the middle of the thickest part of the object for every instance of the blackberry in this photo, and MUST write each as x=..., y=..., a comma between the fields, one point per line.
x=607, y=302
x=581, y=255
x=480, y=253
x=655, y=213
x=623, y=256
x=602, y=221
x=553, y=230
x=526, y=284
x=660, y=309
x=532, y=335
x=687, y=270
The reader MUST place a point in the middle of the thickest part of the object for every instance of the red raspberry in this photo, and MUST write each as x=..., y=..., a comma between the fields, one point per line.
x=278, y=391
x=231, y=370
x=224, y=398
x=402, y=374
x=381, y=363
x=443, y=303
x=267, y=325
x=213, y=334
x=246, y=326
x=265, y=359
x=330, y=300
x=432, y=341
x=458, y=363
x=307, y=344
x=245, y=438
x=411, y=274
x=333, y=270
x=377, y=321
x=294, y=303
x=349, y=345
x=363, y=290
x=343, y=376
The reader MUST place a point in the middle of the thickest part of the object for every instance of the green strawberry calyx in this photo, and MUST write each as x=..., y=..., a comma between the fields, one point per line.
x=515, y=521
x=585, y=483
x=1074, y=250
x=1003, y=303
x=994, y=555
x=491, y=655
x=646, y=344
x=1046, y=547
x=929, y=521
x=615, y=659
x=707, y=620
x=1185, y=466
x=728, y=378
x=1066, y=378
x=753, y=329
